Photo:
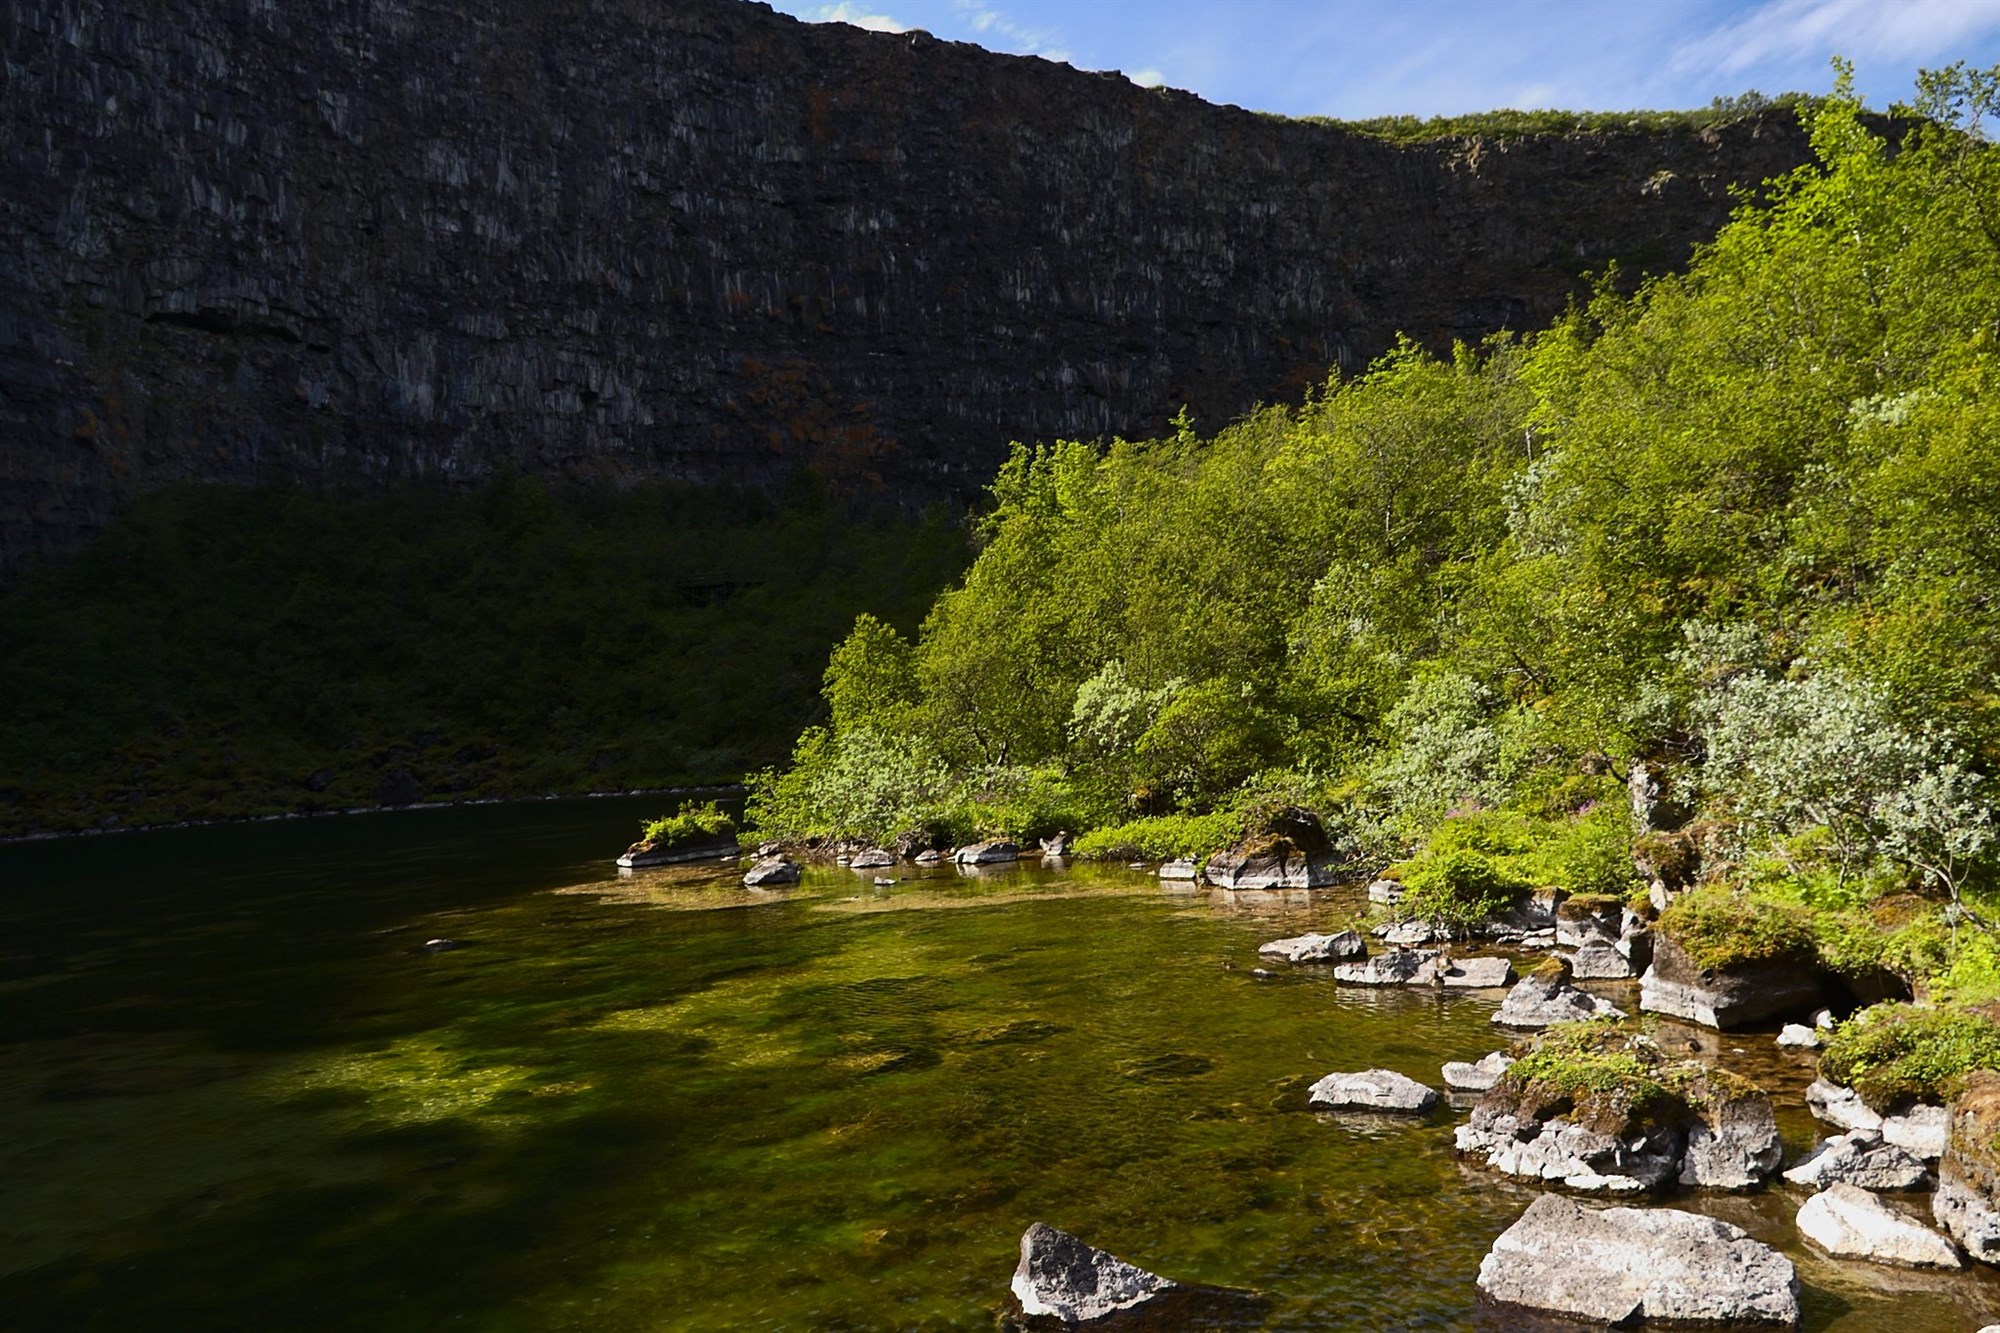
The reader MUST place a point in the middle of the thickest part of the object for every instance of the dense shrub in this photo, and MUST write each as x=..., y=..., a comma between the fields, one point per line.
x=1456, y=889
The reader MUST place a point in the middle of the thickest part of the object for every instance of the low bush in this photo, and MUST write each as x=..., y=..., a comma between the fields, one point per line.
x=1896, y=1053
x=691, y=823
x=1456, y=889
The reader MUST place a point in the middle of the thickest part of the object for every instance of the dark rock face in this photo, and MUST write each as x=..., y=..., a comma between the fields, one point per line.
x=698, y=240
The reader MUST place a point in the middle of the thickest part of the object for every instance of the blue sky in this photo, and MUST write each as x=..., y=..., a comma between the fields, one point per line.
x=1442, y=57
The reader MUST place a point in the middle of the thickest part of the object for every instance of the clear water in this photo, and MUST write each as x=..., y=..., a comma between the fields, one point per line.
x=237, y=1093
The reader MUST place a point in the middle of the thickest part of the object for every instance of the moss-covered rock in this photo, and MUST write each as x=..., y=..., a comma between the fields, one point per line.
x=1967, y=1200
x=1598, y=1110
x=694, y=833
x=1726, y=960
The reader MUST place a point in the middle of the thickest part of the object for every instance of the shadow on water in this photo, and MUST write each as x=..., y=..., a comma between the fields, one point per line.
x=236, y=1092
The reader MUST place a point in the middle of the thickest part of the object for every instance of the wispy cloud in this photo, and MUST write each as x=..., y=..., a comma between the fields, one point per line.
x=849, y=12
x=997, y=29
x=1788, y=30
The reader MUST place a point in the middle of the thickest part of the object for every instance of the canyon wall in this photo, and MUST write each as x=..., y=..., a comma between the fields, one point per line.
x=616, y=240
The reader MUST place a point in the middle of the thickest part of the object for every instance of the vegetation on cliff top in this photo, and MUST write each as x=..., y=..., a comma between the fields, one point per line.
x=1730, y=531
x=1517, y=124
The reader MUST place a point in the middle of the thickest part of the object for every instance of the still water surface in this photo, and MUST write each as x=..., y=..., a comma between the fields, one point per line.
x=235, y=1092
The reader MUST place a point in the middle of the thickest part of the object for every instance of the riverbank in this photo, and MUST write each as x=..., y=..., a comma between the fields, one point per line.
x=727, y=791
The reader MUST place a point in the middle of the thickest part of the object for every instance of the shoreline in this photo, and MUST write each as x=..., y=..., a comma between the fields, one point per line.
x=722, y=789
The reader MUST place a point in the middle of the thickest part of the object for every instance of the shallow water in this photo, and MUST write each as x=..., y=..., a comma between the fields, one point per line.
x=235, y=1092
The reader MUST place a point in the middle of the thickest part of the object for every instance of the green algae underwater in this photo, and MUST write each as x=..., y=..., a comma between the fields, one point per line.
x=238, y=1092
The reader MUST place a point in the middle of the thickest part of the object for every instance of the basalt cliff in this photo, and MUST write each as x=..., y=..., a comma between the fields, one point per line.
x=616, y=240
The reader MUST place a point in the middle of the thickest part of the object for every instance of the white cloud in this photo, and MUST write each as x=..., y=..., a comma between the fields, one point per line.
x=1004, y=33
x=849, y=12
x=1147, y=78
x=1783, y=30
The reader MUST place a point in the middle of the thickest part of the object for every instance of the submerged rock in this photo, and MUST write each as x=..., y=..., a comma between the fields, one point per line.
x=1478, y=1077
x=1062, y=1277
x=1625, y=1265
x=1727, y=997
x=1372, y=1090
x=997, y=852
x=1392, y=967
x=770, y=873
x=1850, y=1223
x=1313, y=948
x=1546, y=996
x=1860, y=1158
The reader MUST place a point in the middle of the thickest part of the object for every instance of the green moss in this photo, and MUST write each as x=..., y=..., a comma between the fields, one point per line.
x=691, y=823
x=1593, y=1065
x=1893, y=1053
x=1719, y=928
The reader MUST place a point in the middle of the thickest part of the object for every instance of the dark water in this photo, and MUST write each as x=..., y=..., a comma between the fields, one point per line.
x=236, y=1093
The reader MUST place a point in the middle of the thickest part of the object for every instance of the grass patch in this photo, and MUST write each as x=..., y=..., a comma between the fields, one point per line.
x=1163, y=837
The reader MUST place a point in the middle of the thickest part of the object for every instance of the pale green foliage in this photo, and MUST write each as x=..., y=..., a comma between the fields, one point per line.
x=871, y=677
x=859, y=783
x=1826, y=752
x=1446, y=750
x=1111, y=713
x=1940, y=823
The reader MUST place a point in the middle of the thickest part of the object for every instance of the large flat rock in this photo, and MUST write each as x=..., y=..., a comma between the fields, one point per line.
x=1633, y=1265
x=1850, y=1223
